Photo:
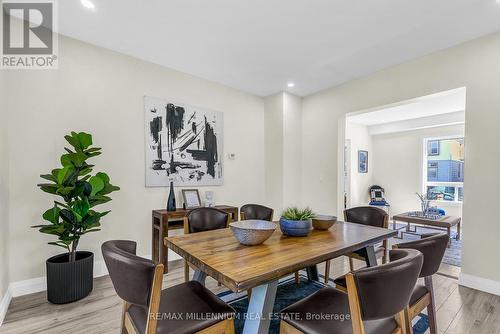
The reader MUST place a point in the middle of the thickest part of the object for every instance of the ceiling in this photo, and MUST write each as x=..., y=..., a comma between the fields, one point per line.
x=431, y=105
x=258, y=46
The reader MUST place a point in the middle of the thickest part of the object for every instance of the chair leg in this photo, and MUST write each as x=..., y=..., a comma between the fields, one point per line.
x=327, y=271
x=431, y=308
x=186, y=271
x=404, y=322
x=124, y=312
x=230, y=326
x=297, y=277
x=405, y=326
x=351, y=264
x=288, y=329
x=223, y=327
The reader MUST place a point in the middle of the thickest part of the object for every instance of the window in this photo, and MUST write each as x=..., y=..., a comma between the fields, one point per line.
x=444, y=169
x=433, y=147
x=432, y=171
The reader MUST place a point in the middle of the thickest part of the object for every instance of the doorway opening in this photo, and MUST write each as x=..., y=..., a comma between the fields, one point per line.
x=413, y=153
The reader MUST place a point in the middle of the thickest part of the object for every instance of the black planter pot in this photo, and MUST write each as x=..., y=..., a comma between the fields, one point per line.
x=69, y=281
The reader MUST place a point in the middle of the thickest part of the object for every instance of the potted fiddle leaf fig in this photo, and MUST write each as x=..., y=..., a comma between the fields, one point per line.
x=70, y=275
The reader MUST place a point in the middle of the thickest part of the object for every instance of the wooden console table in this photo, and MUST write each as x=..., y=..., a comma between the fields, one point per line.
x=163, y=220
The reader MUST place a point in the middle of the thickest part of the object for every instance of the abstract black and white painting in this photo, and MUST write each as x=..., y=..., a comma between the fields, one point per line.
x=183, y=144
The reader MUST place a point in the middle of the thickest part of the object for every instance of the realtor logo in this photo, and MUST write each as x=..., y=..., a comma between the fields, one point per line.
x=28, y=38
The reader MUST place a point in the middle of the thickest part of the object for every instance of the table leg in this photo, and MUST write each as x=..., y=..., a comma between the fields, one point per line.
x=154, y=239
x=260, y=309
x=449, y=236
x=368, y=253
x=399, y=230
x=459, y=228
x=312, y=273
x=163, y=257
x=370, y=258
x=199, y=276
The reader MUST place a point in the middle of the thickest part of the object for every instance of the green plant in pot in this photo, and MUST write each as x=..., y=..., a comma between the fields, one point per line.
x=296, y=222
x=70, y=275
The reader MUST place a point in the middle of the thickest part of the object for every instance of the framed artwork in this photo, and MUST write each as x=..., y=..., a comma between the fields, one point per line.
x=362, y=161
x=191, y=198
x=183, y=144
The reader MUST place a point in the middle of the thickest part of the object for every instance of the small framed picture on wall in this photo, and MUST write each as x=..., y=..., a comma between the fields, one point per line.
x=362, y=161
x=191, y=198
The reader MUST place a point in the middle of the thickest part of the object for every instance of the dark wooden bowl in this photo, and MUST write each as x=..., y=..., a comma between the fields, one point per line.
x=323, y=222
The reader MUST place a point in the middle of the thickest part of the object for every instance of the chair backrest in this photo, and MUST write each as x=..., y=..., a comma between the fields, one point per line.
x=367, y=215
x=131, y=275
x=256, y=211
x=206, y=219
x=432, y=246
x=384, y=291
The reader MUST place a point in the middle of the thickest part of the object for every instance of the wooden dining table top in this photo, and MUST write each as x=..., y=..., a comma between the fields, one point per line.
x=218, y=254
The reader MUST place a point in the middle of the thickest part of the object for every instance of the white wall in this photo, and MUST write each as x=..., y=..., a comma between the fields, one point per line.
x=397, y=167
x=273, y=127
x=283, y=150
x=360, y=182
x=292, y=149
x=100, y=91
x=4, y=191
x=473, y=65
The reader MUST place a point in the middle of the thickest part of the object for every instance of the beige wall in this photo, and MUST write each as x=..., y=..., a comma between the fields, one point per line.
x=473, y=65
x=4, y=189
x=397, y=166
x=100, y=91
x=360, y=182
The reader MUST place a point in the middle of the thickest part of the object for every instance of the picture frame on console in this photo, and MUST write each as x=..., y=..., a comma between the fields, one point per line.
x=191, y=198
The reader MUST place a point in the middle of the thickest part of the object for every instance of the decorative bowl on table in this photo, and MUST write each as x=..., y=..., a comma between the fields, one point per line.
x=295, y=228
x=252, y=232
x=296, y=222
x=323, y=222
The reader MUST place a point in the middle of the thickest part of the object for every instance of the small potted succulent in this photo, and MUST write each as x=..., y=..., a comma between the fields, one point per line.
x=296, y=222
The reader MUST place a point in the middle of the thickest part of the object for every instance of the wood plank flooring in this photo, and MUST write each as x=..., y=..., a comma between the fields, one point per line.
x=459, y=309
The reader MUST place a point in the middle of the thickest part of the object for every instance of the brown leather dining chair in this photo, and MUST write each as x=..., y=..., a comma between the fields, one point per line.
x=256, y=211
x=204, y=219
x=365, y=215
x=432, y=246
x=375, y=301
x=147, y=309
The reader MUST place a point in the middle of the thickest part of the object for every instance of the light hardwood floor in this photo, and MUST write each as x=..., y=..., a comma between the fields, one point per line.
x=459, y=309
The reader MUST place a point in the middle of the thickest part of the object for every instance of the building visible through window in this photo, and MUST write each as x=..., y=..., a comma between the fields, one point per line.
x=433, y=147
x=444, y=173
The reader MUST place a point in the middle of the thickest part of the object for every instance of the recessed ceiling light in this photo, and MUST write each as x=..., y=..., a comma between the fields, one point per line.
x=87, y=4
x=291, y=84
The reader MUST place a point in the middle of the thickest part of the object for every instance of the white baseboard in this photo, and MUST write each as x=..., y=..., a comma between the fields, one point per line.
x=39, y=284
x=4, y=305
x=479, y=283
x=26, y=287
x=21, y=288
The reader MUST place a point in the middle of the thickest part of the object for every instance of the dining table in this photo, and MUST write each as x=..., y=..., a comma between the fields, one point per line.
x=258, y=268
